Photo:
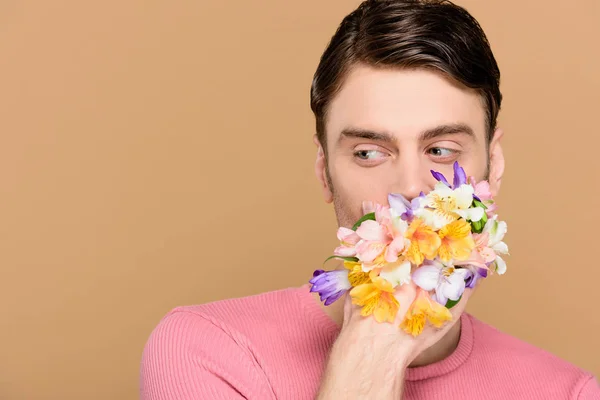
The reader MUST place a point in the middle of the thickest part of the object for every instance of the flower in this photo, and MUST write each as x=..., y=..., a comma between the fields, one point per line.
x=400, y=206
x=460, y=177
x=474, y=274
x=496, y=231
x=448, y=281
x=424, y=242
x=447, y=203
x=397, y=273
x=382, y=237
x=457, y=242
x=482, y=254
x=444, y=205
x=330, y=285
x=348, y=240
x=356, y=275
x=376, y=298
x=424, y=309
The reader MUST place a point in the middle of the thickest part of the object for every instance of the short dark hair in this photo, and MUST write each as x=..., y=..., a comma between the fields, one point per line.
x=426, y=34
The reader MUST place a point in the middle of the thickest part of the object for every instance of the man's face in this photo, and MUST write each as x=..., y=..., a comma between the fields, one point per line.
x=387, y=129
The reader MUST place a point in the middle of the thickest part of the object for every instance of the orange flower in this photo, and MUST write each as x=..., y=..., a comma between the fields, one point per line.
x=424, y=309
x=424, y=242
x=356, y=275
x=456, y=241
x=377, y=298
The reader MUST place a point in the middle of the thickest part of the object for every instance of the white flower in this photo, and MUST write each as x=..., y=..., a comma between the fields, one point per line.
x=397, y=273
x=448, y=282
x=496, y=231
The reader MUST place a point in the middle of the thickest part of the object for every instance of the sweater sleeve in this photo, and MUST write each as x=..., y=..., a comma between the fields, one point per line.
x=188, y=357
x=590, y=390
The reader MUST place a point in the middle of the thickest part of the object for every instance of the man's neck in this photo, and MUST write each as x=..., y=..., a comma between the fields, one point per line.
x=439, y=351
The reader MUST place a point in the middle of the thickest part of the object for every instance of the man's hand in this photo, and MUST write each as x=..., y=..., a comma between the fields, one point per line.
x=369, y=359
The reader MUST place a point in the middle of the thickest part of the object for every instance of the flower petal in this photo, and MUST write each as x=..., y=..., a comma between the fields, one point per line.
x=440, y=177
x=372, y=231
x=397, y=274
x=398, y=203
x=500, y=266
x=427, y=276
x=472, y=214
x=460, y=177
x=500, y=247
x=330, y=285
x=368, y=207
x=464, y=196
x=347, y=235
x=345, y=251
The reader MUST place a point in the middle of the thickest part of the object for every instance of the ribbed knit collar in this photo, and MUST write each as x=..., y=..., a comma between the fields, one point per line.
x=443, y=367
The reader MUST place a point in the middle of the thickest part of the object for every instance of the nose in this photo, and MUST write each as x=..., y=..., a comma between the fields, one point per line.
x=410, y=179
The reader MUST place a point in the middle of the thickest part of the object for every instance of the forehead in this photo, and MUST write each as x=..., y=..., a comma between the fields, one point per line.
x=403, y=102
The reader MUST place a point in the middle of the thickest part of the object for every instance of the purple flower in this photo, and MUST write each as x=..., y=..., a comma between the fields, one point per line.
x=404, y=208
x=474, y=275
x=460, y=177
x=447, y=281
x=330, y=285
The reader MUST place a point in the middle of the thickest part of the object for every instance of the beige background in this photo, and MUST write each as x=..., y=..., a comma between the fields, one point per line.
x=142, y=140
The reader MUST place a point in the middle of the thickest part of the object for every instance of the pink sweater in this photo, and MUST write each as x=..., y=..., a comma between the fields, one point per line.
x=274, y=346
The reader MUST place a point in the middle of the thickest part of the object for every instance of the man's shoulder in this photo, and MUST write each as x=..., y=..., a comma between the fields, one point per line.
x=516, y=359
x=248, y=315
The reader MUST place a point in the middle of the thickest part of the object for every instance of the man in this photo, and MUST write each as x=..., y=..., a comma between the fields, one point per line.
x=404, y=87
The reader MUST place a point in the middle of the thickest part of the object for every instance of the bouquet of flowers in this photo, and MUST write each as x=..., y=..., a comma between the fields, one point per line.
x=439, y=243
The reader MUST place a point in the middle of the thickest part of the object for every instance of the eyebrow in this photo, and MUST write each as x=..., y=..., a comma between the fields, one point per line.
x=428, y=134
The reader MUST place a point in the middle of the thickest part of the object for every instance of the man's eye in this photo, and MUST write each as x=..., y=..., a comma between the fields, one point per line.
x=441, y=152
x=368, y=154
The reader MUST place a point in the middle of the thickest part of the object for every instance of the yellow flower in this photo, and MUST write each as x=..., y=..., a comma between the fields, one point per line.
x=456, y=241
x=424, y=309
x=377, y=298
x=424, y=242
x=356, y=275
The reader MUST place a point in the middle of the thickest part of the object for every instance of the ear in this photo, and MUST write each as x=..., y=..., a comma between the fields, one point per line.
x=321, y=171
x=496, y=162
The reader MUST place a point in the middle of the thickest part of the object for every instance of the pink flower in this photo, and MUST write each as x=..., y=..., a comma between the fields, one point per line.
x=482, y=189
x=482, y=254
x=484, y=193
x=384, y=236
x=348, y=239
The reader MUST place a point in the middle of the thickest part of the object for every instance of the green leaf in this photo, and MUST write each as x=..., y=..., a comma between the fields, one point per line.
x=477, y=227
x=351, y=259
x=477, y=203
x=366, y=217
x=452, y=303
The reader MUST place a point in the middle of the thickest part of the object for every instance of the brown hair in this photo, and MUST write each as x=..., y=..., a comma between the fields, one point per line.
x=430, y=34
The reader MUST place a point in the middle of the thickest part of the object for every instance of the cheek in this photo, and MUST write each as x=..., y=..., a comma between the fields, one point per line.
x=351, y=188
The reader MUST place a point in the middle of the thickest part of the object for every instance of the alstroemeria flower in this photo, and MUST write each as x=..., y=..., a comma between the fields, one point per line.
x=348, y=240
x=457, y=242
x=496, y=231
x=483, y=193
x=424, y=242
x=473, y=275
x=460, y=177
x=400, y=206
x=384, y=236
x=444, y=205
x=424, y=309
x=397, y=273
x=482, y=190
x=447, y=281
x=447, y=203
x=482, y=253
x=377, y=298
x=330, y=285
x=356, y=275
